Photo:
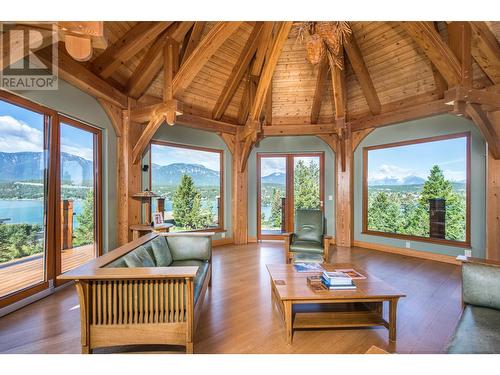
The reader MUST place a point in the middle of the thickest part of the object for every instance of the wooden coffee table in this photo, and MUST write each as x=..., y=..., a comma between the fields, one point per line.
x=304, y=308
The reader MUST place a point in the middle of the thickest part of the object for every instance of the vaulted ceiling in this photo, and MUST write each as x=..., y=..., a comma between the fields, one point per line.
x=401, y=72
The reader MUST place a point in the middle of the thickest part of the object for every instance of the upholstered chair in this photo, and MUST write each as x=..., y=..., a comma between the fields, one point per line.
x=309, y=236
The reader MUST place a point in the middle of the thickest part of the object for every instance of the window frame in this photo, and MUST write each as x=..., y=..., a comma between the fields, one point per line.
x=438, y=241
x=220, y=226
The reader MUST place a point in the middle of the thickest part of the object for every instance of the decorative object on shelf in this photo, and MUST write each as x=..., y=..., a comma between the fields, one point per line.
x=157, y=219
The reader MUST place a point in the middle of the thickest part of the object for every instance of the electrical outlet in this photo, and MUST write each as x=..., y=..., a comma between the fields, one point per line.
x=330, y=197
x=468, y=253
x=223, y=235
x=407, y=244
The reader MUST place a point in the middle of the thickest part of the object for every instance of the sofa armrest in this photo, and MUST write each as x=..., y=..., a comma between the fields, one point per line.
x=481, y=284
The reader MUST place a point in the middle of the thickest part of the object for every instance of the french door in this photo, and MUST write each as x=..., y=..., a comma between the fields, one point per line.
x=285, y=183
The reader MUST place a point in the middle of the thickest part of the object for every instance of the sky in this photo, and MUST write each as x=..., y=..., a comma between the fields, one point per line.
x=22, y=130
x=270, y=165
x=165, y=155
x=418, y=159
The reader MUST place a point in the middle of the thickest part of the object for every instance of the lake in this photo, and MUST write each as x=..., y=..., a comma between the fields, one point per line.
x=29, y=211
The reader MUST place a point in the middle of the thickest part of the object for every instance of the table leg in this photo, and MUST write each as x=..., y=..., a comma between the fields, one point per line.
x=288, y=321
x=393, y=303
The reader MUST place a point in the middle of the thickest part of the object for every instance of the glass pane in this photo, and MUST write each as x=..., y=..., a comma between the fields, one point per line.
x=188, y=181
x=306, y=182
x=272, y=194
x=22, y=198
x=419, y=189
x=77, y=197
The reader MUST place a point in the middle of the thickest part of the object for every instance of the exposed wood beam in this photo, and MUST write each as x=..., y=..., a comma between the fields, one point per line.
x=339, y=87
x=440, y=54
x=482, y=97
x=302, y=129
x=400, y=115
x=319, y=90
x=156, y=120
x=115, y=115
x=147, y=70
x=229, y=140
x=268, y=110
x=480, y=118
x=247, y=100
x=266, y=37
x=439, y=81
x=238, y=71
x=268, y=69
x=194, y=39
x=459, y=40
x=76, y=74
x=181, y=30
x=486, y=50
x=201, y=54
x=362, y=74
x=128, y=46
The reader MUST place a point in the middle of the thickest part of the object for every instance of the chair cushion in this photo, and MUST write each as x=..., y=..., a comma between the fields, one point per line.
x=306, y=247
x=481, y=285
x=139, y=257
x=161, y=252
x=478, y=332
x=118, y=263
x=309, y=225
x=200, y=274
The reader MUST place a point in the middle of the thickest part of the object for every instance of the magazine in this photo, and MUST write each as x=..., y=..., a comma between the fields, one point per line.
x=352, y=273
x=308, y=267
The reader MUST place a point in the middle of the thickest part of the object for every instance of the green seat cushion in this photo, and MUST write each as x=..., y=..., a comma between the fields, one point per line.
x=306, y=247
x=309, y=225
x=307, y=258
x=478, y=332
x=118, y=263
x=139, y=257
x=190, y=247
x=201, y=274
x=161, y=252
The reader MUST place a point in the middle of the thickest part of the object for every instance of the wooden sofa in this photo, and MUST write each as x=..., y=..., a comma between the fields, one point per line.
x=140, y=294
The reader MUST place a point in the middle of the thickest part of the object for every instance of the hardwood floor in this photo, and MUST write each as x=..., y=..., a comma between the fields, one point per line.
x=238, y=316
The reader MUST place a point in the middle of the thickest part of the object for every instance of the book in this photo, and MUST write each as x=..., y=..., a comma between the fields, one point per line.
x=329, y=283
x=352, y=273
x=341, y=287
x=308, y=267
x=336, y=278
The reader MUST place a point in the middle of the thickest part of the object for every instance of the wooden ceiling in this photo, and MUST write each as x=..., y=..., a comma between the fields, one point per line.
x=401, y=72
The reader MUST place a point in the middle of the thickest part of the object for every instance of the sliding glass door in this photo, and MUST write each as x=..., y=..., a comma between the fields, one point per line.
x=79, y=190
x=286, y=183
x=23, y=198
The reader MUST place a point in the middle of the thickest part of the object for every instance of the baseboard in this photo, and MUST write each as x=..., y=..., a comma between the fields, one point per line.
x=252, y=239
x=408, y=252
x=222, y=241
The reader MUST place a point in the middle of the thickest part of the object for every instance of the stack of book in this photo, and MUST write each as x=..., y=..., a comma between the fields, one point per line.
x=337, y=281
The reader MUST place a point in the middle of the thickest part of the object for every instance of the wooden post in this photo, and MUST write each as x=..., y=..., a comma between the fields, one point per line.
x=344, y=196
x=124, y=150
x=134, y=178
x=240, y=198
x=66, y=224
x=493, y=199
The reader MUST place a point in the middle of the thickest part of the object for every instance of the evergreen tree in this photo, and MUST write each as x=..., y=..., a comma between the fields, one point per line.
x=275, y=217
x=384, y=214
x=306, y=185
x=187, y=206
x=84, y=233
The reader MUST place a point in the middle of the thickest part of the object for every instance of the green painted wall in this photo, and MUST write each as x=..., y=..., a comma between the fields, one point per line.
x=438, y=125
x=194, y=137
x=73, y=102
x=292, y=145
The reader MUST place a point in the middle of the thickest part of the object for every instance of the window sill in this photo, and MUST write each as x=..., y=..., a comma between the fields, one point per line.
x=443, y=242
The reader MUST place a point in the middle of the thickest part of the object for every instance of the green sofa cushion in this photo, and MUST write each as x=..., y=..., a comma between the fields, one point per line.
x=139, y=257
x=118, y=263
x=200, y=275
x=190, y=247
x=481, y=285
x=478, y=332
x=306, y=247
x=309, y=225
x=161, y=252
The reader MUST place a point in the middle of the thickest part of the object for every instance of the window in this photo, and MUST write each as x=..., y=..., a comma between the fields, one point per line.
x=419, y=189
x=189, y=181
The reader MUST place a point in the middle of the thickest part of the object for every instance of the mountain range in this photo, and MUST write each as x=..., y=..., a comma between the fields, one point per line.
x=29, y=166
x=274, y=178
x=171, y=174
x=407, y=180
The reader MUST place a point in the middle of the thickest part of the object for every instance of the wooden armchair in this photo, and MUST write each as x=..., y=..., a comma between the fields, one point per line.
x=309, y=237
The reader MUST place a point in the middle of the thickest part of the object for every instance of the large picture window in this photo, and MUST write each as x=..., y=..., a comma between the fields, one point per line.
x=189, y=180
x=418, y=189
